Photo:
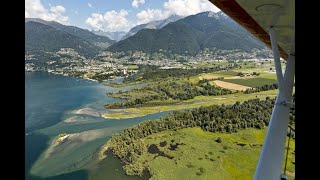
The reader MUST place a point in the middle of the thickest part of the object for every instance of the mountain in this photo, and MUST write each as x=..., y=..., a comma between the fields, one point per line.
x=151, y=25
x=100, y=41
x=190, y=35
x=112, y=35
x=40, y=37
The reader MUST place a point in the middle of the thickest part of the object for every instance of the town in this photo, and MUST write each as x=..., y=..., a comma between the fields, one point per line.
x=108, y=65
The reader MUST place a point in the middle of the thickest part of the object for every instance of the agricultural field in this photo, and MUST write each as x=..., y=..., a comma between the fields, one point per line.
x=270, y=76
x=228, y=85
x=192, y=153
x=232, y=81
x=228, y=73
x=252, y=82
x=210, y=76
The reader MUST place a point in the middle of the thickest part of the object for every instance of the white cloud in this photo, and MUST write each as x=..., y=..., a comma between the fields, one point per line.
x=178, y=7
x=90, y=5
x=189, y=7
x=152, y=15
x=58, y=9
x=110, y=21
x=96, y=21
x=136, y=3
x=35, y=9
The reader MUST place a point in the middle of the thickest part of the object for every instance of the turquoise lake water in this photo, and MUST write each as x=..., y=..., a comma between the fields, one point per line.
x=50, y=99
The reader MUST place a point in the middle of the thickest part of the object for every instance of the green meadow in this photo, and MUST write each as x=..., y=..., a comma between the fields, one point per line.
x=199, y=156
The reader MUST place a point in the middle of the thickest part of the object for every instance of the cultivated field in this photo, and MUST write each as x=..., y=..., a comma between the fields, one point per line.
x=252, y=82
x=232, y=86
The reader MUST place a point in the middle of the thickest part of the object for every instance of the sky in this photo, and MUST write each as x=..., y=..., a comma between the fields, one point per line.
x=112, y=15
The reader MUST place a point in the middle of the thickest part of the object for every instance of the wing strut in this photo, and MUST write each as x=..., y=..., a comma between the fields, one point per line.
x=272, y=155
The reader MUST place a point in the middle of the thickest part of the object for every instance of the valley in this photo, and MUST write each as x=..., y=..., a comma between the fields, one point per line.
x=179, y=98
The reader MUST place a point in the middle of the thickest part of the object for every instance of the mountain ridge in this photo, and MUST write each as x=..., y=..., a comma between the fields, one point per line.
x=97, y=40
x=151, y=25
x=190, y=35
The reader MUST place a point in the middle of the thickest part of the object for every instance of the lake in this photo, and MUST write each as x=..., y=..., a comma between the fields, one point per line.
x=57, y=104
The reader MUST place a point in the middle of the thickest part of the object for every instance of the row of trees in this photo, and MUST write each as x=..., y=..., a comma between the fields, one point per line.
x=102, y=76
x=261, y=88
x=218, y=118
x=243, y=74
x=168, y=90
x=209, y=79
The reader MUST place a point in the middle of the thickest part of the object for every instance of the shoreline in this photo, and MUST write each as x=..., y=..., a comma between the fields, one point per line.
x=80, y=77
x=118, y=118
x=101, y=155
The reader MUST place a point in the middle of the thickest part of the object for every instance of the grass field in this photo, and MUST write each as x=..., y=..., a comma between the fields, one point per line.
x=191, y=103
x=228, y=73
x=212, y=75
x=133, y=67
x=270, y=76
x=251, y=82
x=201, y=157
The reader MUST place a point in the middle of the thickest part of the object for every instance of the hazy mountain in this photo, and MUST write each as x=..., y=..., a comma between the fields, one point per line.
x=43, y=42
x=100, y=41
x=43, y=38
x=152, y=25
x=112, y=35
x=192, y=34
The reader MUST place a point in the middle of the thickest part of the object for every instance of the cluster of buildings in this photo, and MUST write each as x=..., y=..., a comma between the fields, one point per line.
x=68, y=60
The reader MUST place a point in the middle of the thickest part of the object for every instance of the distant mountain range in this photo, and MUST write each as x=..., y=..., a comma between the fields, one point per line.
x=190, y=35
x=117, y=36
x=100, y=41
x=41, y=38
x=152, y=25
x=44, y=39
x=51, y=41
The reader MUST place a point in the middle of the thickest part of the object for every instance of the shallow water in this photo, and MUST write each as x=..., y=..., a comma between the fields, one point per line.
x=50, y=99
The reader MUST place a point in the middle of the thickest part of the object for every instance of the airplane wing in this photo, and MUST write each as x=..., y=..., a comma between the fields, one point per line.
x=258, y=15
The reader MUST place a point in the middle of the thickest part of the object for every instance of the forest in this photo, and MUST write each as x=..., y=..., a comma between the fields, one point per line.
x=154, y=73
x=253, y=113
x=175, y=89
